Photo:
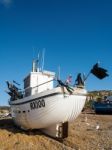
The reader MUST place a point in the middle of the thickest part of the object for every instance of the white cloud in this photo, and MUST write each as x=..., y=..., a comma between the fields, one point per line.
x=6, y=3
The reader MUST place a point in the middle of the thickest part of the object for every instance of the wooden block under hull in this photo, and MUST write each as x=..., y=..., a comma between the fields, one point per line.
x=59, y=130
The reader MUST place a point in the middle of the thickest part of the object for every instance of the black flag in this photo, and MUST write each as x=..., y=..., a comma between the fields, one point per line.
x=99, y=72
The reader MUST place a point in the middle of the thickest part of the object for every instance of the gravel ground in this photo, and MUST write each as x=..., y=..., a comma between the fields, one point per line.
x=87, y=132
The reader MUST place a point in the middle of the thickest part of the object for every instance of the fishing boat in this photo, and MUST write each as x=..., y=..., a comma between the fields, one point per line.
x=45, y=105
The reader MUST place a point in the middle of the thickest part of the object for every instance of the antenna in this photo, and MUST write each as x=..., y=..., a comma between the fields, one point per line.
x=34, y=67
x=43, y=55
x=35, y=63
x=33, y=53
x=58, y=77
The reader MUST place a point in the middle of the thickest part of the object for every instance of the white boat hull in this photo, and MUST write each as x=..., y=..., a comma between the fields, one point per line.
x=49, y=108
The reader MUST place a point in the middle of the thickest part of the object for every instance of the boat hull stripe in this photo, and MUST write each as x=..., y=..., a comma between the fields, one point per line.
x=38, y=98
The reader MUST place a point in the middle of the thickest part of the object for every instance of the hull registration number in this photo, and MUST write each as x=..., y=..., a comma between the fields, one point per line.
x=37, y=104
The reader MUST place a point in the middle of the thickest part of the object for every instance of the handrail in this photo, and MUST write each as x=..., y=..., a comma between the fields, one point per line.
x=43, y=83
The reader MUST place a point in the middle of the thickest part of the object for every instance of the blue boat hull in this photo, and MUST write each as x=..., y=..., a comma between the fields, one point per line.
x=103, y=108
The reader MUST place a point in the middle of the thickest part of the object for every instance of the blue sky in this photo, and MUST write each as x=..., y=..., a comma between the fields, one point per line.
x=75, y=35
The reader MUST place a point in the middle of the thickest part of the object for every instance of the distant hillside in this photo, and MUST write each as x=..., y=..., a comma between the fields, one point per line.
x=101, y=94
x=4, y=107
